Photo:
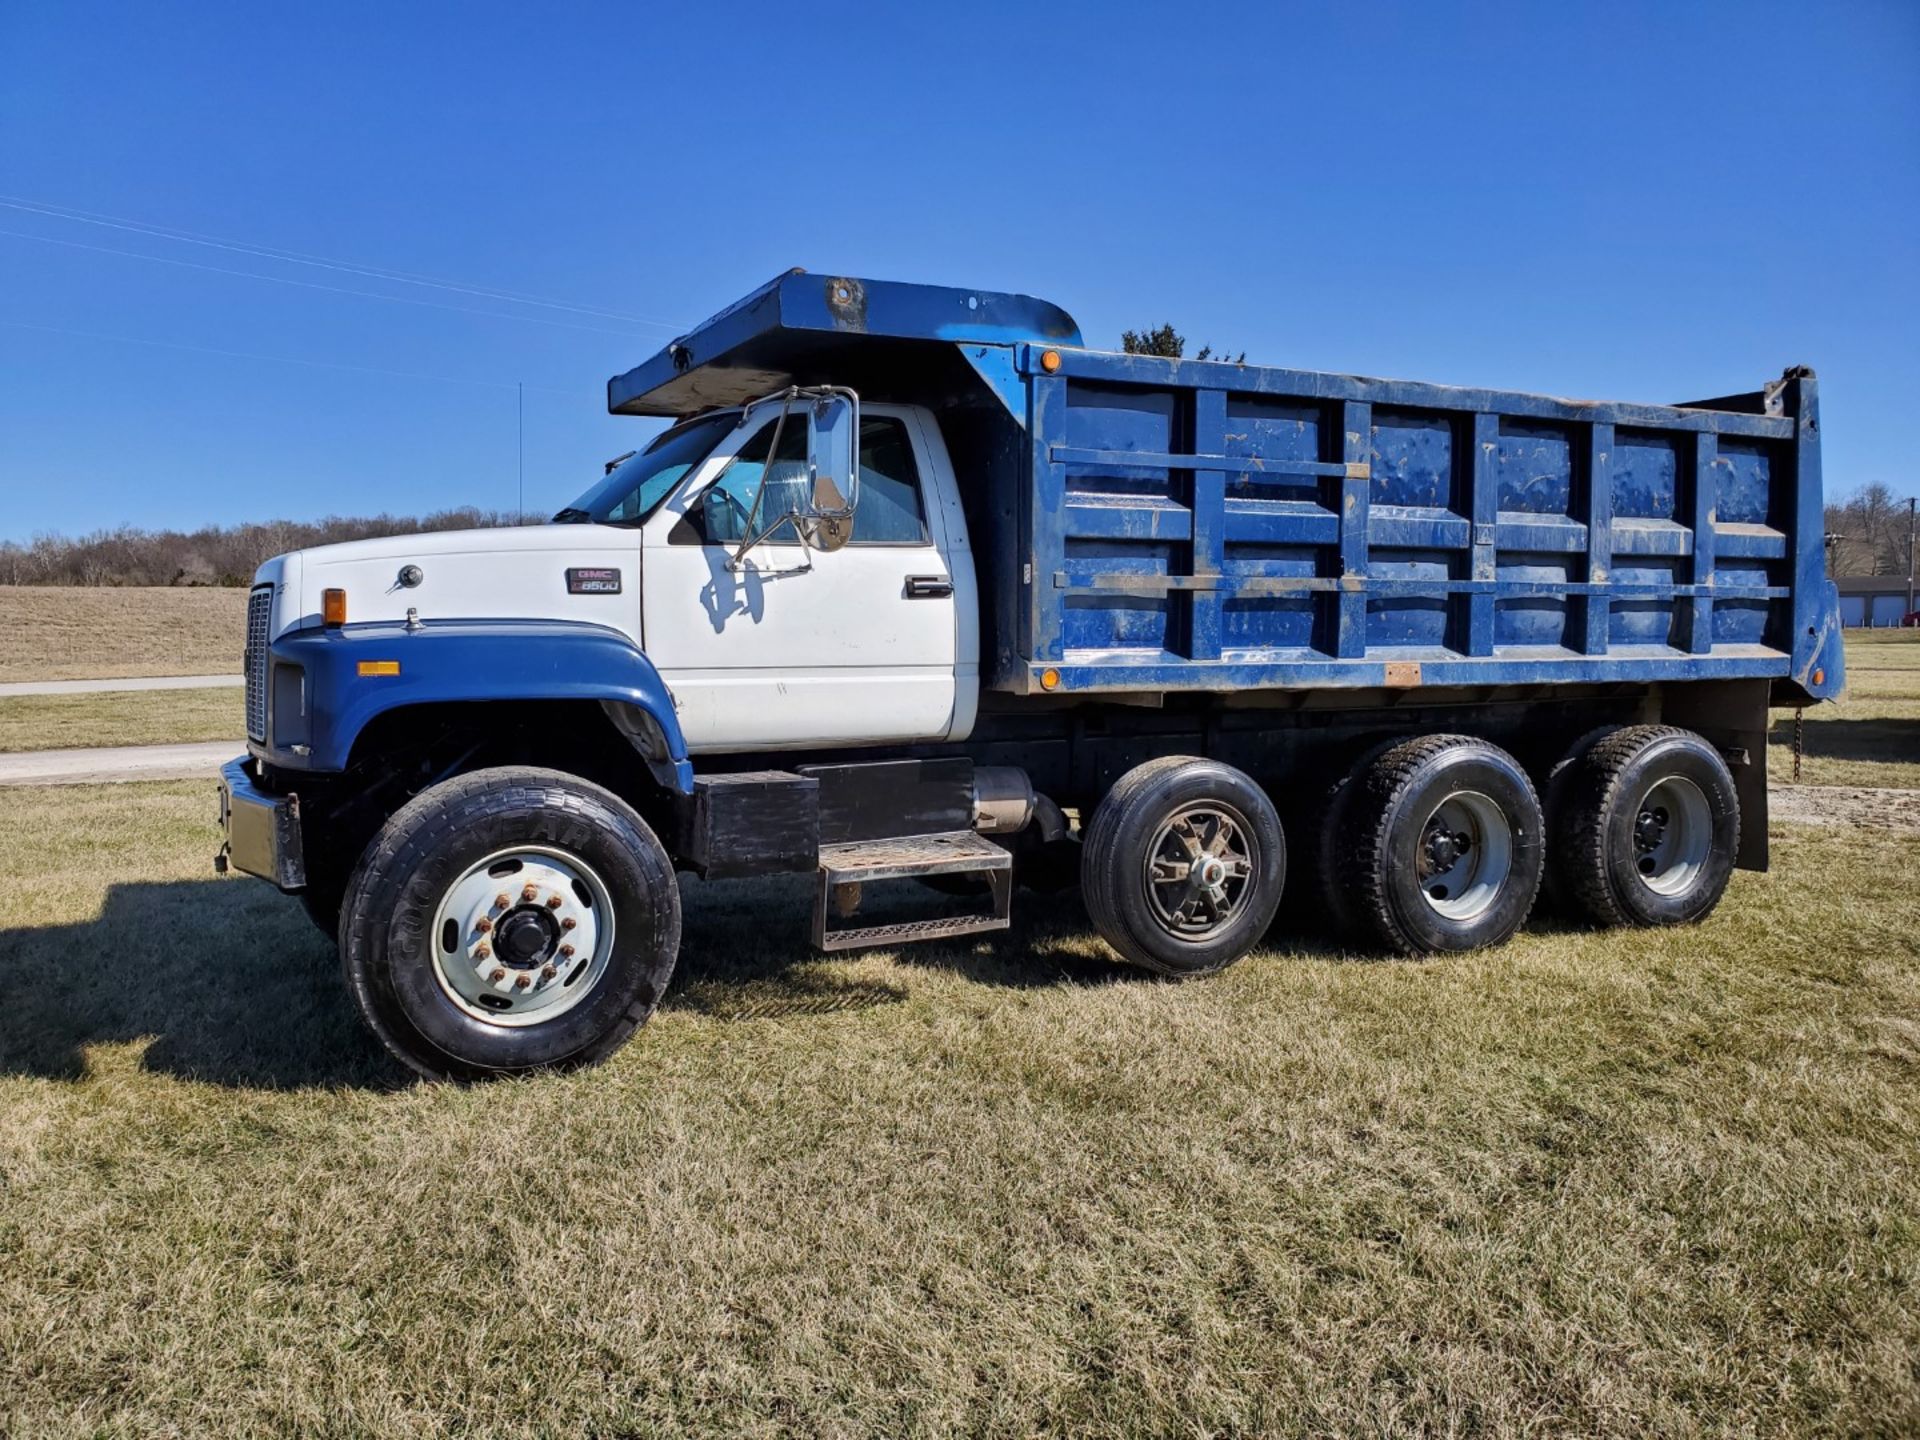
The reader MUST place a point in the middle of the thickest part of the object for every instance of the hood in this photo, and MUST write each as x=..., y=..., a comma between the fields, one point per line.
x=517, y=572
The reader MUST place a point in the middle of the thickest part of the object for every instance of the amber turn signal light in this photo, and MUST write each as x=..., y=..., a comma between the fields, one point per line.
x=333, y=607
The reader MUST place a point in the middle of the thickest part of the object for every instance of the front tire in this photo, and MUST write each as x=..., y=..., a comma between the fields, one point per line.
x=510, y=920
x=1440, y=846
x=322, y=901
x=1651, y=829
x=1183, y=866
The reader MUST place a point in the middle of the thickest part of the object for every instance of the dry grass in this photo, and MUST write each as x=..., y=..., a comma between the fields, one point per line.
x=1871, y=735
x=95, y=633
x=133, y=717
x=1632, y=1184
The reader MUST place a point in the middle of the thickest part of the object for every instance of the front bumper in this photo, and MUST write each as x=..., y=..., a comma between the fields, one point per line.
x=262, y=831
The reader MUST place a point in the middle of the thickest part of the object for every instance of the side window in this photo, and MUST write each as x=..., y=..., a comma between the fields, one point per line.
x=725, y=505
x=890, y=510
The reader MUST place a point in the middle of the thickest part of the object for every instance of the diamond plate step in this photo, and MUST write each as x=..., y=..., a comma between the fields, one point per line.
x=959, y=852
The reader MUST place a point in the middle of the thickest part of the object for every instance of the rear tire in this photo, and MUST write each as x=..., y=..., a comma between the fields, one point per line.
x=510, y=920
x=1651, y=828
x=1555, y=798
x=1331, y=823
x=1183, y=866
x=1441, y=846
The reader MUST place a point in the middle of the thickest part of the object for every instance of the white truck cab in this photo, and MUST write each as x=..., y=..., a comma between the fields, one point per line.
x=766, y=645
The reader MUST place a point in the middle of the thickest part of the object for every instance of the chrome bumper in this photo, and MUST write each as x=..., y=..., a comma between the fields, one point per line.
x=262, y=831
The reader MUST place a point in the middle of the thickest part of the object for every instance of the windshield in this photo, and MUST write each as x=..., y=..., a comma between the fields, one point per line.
x=635, y=487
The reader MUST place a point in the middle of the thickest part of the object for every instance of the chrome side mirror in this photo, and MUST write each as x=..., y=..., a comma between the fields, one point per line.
x=831, y=487
x=833, y=438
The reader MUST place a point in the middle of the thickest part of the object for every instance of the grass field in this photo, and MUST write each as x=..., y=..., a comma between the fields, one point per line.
x=134, y=717
x=1627, y=1184
x=1871, y=736
x=59, y=632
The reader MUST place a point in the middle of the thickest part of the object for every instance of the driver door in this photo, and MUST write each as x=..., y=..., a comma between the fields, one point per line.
x=793, y=647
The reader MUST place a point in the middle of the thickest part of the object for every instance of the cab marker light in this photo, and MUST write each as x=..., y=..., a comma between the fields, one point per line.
x=379, y=667
x=333, y=607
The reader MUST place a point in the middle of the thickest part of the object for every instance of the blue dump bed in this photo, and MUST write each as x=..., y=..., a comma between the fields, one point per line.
x=1154, y=525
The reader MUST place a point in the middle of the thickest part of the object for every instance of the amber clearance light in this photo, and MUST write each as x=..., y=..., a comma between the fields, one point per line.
x=333, y=607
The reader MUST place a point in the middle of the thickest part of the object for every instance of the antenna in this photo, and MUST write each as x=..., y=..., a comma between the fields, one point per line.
x=520, y=405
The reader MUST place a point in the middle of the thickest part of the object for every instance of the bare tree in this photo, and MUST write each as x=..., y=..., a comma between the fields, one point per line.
x=1868, y=532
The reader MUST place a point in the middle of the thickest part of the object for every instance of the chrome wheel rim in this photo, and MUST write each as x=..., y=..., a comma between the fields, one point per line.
x=523, y=936
x=1465, y=856
x=1199, y=870
x=1672, y=835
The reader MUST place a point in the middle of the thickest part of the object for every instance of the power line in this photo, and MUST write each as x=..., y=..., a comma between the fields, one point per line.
x=278, y=359
x=313, y=284
x=294, y=257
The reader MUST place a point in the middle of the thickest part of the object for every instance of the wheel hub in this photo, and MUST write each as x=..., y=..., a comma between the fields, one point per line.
x=522, y=936
x=1672, y=835
x=1444, y=848
x=1650, y=828
x=526, y=937
x=1465, y=855
x=1199, y=870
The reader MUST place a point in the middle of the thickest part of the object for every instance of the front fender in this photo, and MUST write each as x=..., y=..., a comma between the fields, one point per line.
x=358, y=672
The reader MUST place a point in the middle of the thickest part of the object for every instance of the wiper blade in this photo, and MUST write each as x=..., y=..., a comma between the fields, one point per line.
x=572, y=515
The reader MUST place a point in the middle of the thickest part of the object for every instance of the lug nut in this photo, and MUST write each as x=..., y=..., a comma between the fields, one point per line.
x=554, y=902
x=566, y=949
x=483, y=924
x=520, y=982
x=547, y=972
x=530, y=892
x=499, y=974
x=483, y=950
x=568, y=923
x=502, y=900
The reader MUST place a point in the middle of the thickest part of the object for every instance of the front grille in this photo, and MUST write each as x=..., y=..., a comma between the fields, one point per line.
x=259, y=624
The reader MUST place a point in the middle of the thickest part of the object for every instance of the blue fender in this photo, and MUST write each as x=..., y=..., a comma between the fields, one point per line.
x=358, y=672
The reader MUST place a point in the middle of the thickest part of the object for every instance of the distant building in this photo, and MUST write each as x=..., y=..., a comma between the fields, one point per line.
x=1874, y=600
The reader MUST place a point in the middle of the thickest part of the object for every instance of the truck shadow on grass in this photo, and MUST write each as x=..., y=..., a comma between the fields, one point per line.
x=227, y=983
x=744, y=953
x=1875, y=739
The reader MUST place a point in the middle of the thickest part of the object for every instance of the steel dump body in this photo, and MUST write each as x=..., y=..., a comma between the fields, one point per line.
x=1157, y=525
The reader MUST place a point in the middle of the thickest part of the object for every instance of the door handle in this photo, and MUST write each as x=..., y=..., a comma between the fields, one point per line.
x=928, y=587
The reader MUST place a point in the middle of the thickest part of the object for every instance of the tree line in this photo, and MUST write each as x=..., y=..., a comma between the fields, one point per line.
x=1868, y=533
x=212, y=555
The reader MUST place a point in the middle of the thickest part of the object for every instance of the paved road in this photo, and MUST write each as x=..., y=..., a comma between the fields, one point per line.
x=127, y=762
x=90, y=687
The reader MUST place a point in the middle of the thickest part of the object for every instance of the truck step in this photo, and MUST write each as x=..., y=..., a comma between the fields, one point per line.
x=843, y=868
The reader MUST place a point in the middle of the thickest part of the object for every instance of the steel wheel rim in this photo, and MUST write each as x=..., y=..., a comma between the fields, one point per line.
x=522, y=936
x=1672, y=835
x=1465, y=856
x=1200, y=870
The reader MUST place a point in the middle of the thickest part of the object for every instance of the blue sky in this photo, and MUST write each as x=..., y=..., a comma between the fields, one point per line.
x=1648, y=202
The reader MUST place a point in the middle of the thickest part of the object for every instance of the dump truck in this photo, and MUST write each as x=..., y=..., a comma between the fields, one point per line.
x=918, y=595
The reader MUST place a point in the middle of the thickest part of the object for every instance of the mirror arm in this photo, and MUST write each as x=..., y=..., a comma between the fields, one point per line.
x=849, y=500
